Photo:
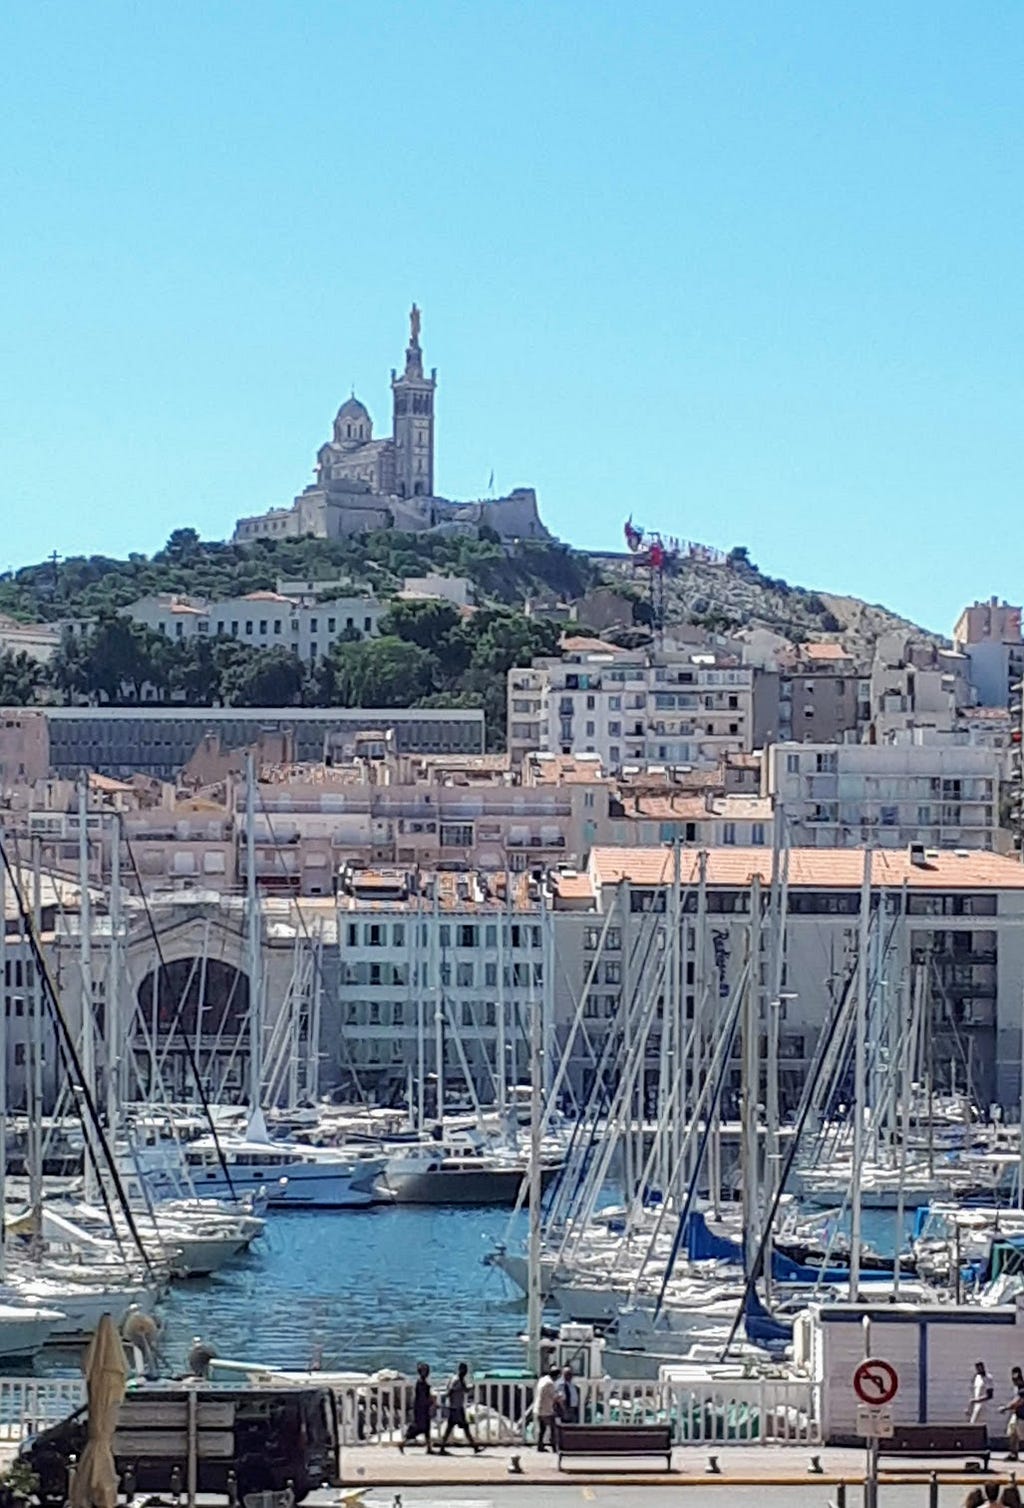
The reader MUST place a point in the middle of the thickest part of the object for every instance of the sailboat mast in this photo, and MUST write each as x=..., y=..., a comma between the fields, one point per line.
x=751, y=1078
x=534, y=1294
x=860, y=1077
x=500, y=1023
x=87, y=1039
x=35, y=1105
x=3, y=1070
x=112, y=1017
x=438, y=1009
x=253, y=919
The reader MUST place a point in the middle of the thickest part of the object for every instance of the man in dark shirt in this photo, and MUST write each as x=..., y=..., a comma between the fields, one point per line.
x=458, y=1397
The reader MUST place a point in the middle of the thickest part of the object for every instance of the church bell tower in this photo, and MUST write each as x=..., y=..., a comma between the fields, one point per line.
x=413, y=400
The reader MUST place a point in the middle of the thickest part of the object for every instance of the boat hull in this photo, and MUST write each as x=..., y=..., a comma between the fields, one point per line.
x=469, y=1186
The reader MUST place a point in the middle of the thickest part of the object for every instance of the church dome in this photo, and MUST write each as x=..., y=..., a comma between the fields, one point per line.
x=353, y=425
x=353, y=409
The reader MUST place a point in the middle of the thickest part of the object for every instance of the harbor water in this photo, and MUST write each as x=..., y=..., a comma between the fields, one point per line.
x=360, y=1290
x=384, y=1287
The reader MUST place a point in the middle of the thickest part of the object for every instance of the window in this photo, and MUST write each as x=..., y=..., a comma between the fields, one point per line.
x=367, y=625
x=613, y=972
x=792, y=764
x=330, y=625
x=464, y=976
x=590, y=730
x=729, y=832
x=614, y=730
x=312, y=625
x=263, y=625
x=398, y=934
x=591, y=703
x=248, y=625
x=491, y=975
x=277, y=625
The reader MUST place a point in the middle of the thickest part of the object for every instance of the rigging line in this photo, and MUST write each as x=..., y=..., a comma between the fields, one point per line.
x=71, y=1060
x=176, y=1021
x=725, y=1045
x=824, y=1042
x=317, y=961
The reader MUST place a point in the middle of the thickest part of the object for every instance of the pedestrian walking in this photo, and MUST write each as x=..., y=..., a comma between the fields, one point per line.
x=567, y=1398
x=544, y=1407
x=422, y=1410
x=1014, y=1411
x=982, y=1392
x=459, y=1389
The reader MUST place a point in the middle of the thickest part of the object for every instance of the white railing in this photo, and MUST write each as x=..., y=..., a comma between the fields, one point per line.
x=30, y=1404
x=739, y=1411
x=743, y=1411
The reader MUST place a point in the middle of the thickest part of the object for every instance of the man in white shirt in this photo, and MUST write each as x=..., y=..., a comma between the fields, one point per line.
x=982, y=1391
x=544, y=1407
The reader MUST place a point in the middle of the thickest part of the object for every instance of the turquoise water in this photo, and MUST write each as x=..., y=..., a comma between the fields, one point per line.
x=363, y=1289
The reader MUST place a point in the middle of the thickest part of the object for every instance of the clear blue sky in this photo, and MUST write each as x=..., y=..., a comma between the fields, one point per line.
x=751, y=272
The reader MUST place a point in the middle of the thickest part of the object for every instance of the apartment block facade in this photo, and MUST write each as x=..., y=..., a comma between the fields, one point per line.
x=942, y=795
x=626, y=707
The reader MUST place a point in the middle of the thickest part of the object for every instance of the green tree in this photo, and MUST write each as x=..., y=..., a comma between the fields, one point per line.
x=68, y=666
x=113, y=660
x=436, y=626
x=183, y=544
x=21, y=678
x=263, y=678
x=385, y=672
x=195, y=675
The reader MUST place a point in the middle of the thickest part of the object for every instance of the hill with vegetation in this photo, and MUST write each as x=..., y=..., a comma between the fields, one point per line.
x=428, y=654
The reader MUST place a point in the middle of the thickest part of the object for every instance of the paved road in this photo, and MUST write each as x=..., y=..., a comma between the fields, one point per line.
x=718, y=1495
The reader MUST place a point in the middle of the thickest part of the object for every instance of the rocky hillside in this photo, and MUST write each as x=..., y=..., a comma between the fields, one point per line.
x=730, y=592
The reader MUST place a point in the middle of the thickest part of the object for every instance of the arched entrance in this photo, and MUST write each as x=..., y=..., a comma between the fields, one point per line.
x=198, y=1003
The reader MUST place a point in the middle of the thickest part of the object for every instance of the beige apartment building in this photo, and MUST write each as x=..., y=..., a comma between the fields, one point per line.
x=960, y=916
x=940, y=794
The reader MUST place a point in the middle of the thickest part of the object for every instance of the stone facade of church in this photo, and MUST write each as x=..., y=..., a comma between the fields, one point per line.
x=364, y=483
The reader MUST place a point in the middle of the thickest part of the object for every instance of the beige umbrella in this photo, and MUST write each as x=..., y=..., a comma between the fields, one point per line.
x=95, y=1483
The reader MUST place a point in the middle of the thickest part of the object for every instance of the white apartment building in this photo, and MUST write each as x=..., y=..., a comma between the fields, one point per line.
x=631, y=707
x=943, y=795
x=264, y=619
x=916, y=685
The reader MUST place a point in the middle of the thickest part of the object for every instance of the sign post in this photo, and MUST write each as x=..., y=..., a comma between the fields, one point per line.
x=875, y=1385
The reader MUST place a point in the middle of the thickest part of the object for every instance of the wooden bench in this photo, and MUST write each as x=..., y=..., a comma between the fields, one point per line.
x=614, y=1440
x=938, y=1440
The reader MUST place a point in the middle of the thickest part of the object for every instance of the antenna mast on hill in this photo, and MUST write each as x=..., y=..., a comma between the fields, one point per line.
x=651, y=555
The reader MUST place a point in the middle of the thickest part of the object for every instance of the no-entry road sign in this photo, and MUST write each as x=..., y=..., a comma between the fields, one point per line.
x=876, y=1382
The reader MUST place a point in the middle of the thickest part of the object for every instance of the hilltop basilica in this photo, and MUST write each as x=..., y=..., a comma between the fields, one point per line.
x=363, y=483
